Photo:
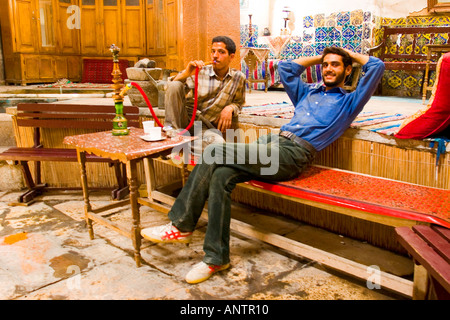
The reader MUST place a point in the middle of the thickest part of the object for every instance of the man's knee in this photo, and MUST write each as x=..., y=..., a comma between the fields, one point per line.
x=175, y=87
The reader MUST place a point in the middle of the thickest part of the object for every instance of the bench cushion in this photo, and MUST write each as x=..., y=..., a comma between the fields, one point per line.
x=435, y=118
x=366, y=193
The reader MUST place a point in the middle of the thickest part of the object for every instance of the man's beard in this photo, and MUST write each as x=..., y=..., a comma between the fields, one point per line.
x=338, y=81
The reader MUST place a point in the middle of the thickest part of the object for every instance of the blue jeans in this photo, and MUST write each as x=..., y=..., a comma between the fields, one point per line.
x=214, y=180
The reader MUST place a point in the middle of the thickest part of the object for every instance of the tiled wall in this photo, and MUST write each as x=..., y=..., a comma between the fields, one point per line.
x=352, y=30
x=409, y=83
x=355, y=30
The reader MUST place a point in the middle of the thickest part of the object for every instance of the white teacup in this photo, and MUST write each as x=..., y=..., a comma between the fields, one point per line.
x=148, y=125
x=154, y=133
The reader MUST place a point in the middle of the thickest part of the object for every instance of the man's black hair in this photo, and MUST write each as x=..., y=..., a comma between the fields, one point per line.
x=346, y=59
x=229, y=44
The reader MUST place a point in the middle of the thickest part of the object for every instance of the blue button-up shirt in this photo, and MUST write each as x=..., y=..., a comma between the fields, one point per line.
x=320, y=116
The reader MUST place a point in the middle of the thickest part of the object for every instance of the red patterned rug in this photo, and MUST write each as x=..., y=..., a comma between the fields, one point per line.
x=367, y=193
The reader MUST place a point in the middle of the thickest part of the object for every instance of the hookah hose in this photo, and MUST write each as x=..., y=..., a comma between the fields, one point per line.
x=144, y=95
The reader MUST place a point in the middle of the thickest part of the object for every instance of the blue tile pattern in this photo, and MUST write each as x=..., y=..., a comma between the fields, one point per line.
x=352, y=30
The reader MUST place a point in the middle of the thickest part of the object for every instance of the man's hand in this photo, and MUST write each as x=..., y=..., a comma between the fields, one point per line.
x=190, y=70
x=357, y=57
x=225, y=119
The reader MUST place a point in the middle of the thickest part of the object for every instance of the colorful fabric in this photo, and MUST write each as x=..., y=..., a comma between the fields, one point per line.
x=376, y=120
x=435, y=118
x=312, y=74
x=277, y=110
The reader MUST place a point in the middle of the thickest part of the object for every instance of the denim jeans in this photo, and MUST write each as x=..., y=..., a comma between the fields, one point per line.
x=178, y=116
x=214, y=180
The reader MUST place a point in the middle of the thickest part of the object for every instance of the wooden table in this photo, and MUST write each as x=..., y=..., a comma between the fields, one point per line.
x=128, y=150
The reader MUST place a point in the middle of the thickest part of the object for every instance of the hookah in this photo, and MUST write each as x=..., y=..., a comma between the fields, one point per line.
x=144, y=95
x=120, y=122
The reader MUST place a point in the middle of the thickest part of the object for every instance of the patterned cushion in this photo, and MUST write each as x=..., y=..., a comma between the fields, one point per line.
x=435, y=118
x=99, y=70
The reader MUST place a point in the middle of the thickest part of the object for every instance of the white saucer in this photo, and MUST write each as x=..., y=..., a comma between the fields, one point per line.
x=150, y=139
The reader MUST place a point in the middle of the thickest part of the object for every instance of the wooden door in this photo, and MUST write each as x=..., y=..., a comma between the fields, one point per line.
x=172, y=35
x=156, y=27
x=25, y=25
x=91, y=34
x=111, y=25
x=68, y=31
x=133, y=27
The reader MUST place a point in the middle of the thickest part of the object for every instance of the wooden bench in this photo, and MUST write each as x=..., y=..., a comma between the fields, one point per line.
x=87, y=118
x=430, y=248
x=405, y=48
x=380, y=200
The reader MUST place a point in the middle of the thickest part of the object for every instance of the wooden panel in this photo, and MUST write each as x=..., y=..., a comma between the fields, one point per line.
x=133, y=28
x=68, y=38
x=172, y=22
x=61, y=70
x=25, y=18
x=161, y=27
x=156, y=27
x=46, y=67
x=111, y=26
x=89, y=31
x=12, y=69
x=46, y=31
x=172, y=35
x=74, y=68
x=31, y=67
x=67, y=67
x=150, y=27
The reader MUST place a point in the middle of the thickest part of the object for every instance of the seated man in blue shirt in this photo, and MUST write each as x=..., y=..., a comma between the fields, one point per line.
x=321, y=115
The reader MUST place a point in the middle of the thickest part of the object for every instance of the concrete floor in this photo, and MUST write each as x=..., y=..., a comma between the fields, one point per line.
x=46, y=252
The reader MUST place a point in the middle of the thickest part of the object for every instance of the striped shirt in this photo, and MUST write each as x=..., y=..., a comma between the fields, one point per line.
x=215, y=94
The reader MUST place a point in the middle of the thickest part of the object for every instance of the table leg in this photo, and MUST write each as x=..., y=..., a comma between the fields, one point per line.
x=136, y=223
x=87, y=206
x=250, y=60
x=149, y=170
x=266, y=76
